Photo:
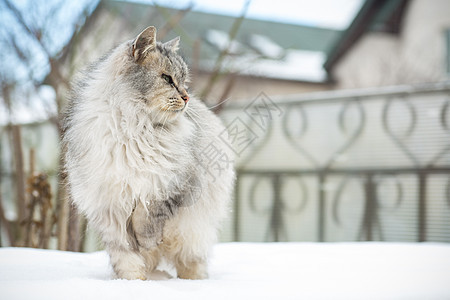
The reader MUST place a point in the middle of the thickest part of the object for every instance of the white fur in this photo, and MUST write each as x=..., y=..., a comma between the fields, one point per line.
x=116, y=157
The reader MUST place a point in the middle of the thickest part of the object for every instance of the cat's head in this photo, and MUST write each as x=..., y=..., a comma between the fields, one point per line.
x=159, y=74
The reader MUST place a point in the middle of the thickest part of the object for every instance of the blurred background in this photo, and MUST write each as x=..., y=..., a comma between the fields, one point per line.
x=338, y=112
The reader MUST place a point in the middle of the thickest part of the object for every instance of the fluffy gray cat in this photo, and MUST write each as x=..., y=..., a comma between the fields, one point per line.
x=144, y=161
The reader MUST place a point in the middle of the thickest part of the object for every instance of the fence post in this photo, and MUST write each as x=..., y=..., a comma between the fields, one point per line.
x=422, y=208
x=321, y=211
x=236, y=208
x=370, y=211
x=276, y=218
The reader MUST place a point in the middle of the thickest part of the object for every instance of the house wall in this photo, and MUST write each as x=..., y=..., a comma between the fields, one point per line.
x=246, y=88
x=416, y=55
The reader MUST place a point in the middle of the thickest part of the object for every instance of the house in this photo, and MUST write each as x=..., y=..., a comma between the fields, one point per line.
x=389, y=43
x=393, y=42
x=359, y=163
x=264, y=56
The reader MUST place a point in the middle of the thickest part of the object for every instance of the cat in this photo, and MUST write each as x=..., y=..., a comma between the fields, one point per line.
x=136, y=158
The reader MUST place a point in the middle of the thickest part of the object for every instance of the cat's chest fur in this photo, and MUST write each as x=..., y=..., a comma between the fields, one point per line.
x=147, y=158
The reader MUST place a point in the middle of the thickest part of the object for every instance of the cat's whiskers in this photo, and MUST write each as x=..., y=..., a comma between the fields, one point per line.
x=193, y=116
x=196, y=117
x=220, y=103
x=162, y=126
x=194, y=113
x=160, y=112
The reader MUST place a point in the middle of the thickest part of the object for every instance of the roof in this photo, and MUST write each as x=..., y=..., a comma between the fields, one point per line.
x=196, y=23
x=375, y=15
x=262, y=48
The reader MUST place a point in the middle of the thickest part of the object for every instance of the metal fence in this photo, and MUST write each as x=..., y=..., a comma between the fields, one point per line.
x=343, y=165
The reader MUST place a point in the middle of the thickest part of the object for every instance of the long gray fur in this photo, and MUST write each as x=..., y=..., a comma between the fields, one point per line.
x=133, y=141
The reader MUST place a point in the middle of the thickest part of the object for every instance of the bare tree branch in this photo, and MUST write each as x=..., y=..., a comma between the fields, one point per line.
x=36, y=30
x=216, y=73
x=175, y=25
x=32, y=32
x=173, y=21
x=20, y=179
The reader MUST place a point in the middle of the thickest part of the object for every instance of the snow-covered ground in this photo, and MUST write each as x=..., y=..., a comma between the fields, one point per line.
x=242, y=271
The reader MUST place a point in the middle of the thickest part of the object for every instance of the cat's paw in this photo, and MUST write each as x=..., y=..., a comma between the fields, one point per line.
x=193, y=275
x=131, y=275
x=159, y=275
x=192, y=270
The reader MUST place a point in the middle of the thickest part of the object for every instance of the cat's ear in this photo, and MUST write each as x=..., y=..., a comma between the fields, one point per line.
x=144, y=43
x=173, y=45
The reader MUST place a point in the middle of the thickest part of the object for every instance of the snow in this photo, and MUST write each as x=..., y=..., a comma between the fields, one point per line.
x=242, y=271
x=29, y=106
x=220, y=39
x=266, y=46
x=296, y=65
x=300, y=65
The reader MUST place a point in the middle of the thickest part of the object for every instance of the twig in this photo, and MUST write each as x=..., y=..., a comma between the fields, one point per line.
x=73, y=240
x=20, y=178
x=226, y=91
x=196, y=58
x=176, y=27
x=173, y=21
x=5, y=224
x=216, y=74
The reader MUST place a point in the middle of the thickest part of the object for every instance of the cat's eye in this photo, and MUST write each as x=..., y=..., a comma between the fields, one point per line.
x=167, y=78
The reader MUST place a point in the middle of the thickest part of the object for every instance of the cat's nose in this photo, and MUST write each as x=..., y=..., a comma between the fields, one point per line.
x=184, y=96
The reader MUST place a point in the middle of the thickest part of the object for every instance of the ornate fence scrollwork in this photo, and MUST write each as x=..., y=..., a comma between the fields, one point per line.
x=447, y=192
x=299, y=109
x=403, y=158
x=445, y=123
x=399, y=139
x=278, y=205
x=353, y=136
